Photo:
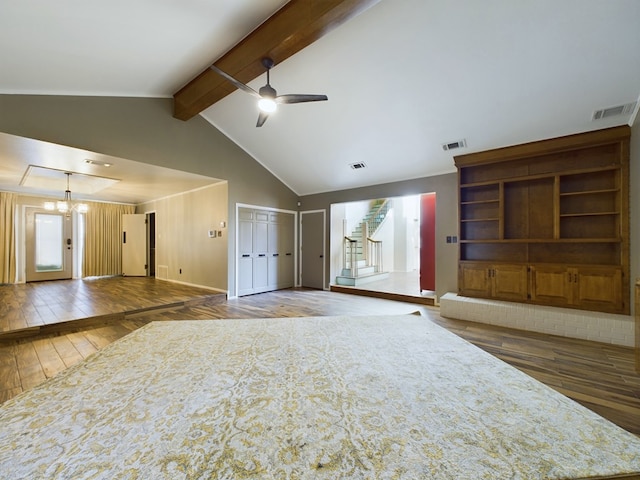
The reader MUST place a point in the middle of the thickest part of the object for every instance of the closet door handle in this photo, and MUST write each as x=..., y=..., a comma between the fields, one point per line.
x=262, y=254
x=276, y=254
x=246, y=255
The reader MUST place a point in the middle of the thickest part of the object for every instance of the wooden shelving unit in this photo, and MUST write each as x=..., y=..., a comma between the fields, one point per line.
x=547, y=222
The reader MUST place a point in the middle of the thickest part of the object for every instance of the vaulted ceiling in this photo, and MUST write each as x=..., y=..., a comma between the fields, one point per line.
x=403, y=77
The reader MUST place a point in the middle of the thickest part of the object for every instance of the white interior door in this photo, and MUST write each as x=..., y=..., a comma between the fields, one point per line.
x=134, y=245
x=245, y=251
x=49, y=245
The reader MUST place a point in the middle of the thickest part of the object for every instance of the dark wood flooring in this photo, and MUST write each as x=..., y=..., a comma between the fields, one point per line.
x=599, y=376
x=46, y=307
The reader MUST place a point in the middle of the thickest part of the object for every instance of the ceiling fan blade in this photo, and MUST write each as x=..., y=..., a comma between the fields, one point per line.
x=300, y=98
x=262, y=117
x=237, y=83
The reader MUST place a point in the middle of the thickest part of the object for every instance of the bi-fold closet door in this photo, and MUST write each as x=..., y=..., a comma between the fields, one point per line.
x=265, y=250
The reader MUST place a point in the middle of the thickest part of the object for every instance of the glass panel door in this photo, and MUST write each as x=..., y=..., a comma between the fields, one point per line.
x=49, y=248
x=49, y=242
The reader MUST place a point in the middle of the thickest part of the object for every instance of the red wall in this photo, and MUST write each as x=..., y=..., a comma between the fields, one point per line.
x=428, y=241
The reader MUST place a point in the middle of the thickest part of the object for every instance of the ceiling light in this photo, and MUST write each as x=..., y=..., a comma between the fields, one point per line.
x=97, y=163
x=267, y=105
x=66, y=206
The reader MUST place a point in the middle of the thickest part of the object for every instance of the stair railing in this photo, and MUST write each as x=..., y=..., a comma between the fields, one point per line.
x=350, y=255
x=377, y=216
x=364, y=227
x=375, y=254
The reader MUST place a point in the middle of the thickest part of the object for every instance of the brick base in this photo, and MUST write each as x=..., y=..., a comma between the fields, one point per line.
x=565, y=322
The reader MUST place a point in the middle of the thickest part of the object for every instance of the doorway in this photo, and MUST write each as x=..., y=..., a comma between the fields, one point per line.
x=49, y=254
x=151, y=244
x=408, y=243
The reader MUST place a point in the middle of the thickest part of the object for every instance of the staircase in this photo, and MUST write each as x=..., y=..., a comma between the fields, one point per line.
x=362, y=256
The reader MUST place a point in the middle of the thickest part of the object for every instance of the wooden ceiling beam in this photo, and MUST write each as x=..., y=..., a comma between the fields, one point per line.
x=296, y=25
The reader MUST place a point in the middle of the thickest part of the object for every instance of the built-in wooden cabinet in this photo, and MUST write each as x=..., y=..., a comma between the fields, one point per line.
x=508, y=282
x=547, y=222
x=589, y=287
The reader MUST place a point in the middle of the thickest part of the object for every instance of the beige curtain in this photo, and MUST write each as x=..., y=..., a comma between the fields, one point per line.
x=7, y=237
x=102, y=244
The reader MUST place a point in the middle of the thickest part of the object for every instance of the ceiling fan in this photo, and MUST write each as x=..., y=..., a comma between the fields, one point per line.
x=268, y=98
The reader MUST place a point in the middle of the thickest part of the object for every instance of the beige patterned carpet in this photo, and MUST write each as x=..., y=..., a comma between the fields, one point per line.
x=377, y=397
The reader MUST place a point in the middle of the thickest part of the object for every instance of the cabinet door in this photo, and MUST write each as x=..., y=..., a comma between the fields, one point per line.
x=551, y=285
x=599, y=288
x=509, y=282
x=245, y=252
x=473, y=279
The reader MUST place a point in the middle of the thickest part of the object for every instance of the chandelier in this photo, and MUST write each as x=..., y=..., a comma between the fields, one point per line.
x=66, y=205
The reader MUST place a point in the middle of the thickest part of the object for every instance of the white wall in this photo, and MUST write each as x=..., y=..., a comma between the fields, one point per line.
x=407, y=233
x=354, y=212
x=386, y=234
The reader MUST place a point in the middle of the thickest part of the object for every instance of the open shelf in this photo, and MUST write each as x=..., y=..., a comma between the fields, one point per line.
x=562, y=203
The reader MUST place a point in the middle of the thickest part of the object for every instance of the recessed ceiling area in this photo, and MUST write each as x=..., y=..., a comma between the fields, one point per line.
x=34, y=167
x=43, y=178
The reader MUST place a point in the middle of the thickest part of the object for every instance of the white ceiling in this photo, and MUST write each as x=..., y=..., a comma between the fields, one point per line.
x=402, y=78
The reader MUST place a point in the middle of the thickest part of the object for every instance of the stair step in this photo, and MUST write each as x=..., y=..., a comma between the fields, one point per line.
x=360, y=280
x=362, y=270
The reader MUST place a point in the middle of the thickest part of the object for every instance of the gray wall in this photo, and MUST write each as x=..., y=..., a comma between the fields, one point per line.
x=446, y=189
x=144, y=130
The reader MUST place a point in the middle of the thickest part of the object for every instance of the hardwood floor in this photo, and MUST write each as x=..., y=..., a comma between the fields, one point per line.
x=47, y=307
x=599, y=376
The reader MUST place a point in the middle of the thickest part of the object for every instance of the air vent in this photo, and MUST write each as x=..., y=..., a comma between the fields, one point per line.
x=625, y=109
x=357, y=166
x=453, y=145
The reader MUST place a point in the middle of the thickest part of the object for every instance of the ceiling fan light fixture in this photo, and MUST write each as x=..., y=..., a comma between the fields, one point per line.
x=268, y=98
x=267, y=105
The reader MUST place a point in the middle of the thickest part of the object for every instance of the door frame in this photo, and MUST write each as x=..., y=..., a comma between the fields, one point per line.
x=152, y=258
x=324, y=247
x=237, y=239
